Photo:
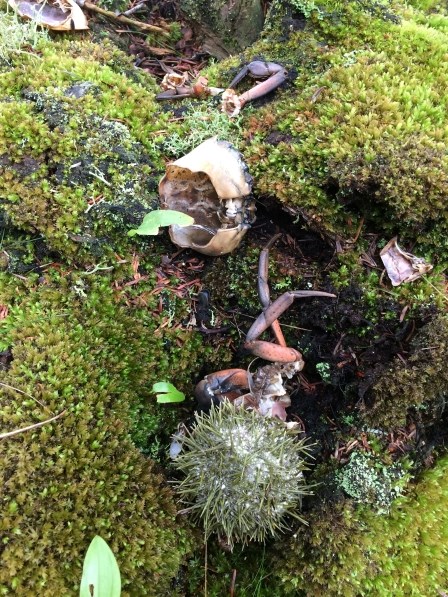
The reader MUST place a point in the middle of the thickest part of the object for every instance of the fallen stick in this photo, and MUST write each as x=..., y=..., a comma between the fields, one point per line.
x=35, y=426
x=121, y=18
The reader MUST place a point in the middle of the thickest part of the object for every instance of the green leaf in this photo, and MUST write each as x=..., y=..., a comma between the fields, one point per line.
x=161, y=217
x=100, y=573
x=166, y=392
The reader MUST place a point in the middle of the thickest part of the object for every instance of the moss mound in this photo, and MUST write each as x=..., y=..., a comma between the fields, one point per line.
x=357, y=552
x=420, y=385
x=79, y=352
x=78, y=162
x=361, y=133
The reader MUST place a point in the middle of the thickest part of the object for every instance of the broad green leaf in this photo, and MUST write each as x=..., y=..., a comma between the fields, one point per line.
x=161, y=217
x=100, y=573
x=166, y=392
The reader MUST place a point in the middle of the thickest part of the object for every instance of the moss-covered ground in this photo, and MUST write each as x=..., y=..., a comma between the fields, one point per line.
x=348, y=153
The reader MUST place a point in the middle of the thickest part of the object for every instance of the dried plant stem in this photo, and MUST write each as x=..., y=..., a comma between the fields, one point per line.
x=35, y=426
x=5, y=385
x=122, y=18
x=442, y=294
x=205, y=565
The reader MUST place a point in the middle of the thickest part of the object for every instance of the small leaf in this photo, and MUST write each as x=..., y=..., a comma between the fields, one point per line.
x=161, y=217
x=166, y=392
x=100, y=573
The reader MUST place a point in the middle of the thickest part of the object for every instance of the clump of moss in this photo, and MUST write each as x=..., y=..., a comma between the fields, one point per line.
x=417, y=386
x=357, y=138
x=78, y=158
x=75, y=349
x=247, y=569
x=355, y=551
x=243, y=474
x=312, y=559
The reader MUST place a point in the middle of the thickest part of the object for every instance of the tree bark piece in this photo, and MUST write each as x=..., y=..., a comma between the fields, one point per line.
x=228, y=26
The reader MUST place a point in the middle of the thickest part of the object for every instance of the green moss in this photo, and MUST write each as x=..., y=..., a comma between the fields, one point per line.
x=358, y=139
x=247, y=569
x=356, y=552
x=418, y=385
x=78, y=159
x=76, y=349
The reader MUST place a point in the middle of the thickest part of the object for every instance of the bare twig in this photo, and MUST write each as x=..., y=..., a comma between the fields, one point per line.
x=122, y=18
x=5, y=385
x=205, y=567
x=134, y=9
x=35, y=426
x=232, y=584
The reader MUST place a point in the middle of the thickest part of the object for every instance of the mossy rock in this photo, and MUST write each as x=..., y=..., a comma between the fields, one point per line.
x=419, y=386
x=73, y=348
x=78, y=161
x=359, y=132
x=354, y=551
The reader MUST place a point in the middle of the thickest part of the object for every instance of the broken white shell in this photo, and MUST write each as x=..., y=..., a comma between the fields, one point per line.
x=59, y=15
x=173, y=80
x=402, y=266
x=231, y=103
x=212, y=185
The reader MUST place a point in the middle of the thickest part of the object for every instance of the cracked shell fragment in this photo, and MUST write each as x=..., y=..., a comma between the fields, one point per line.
x=211, y=184
x=231, y=103
x=59, y=15
x=402, y=266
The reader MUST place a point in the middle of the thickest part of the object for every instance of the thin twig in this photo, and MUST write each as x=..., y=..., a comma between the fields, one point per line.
x=35, y=426
x=205, y=566
x=122, y=19
x=134, y=9
x=5, y=385
x=232, y=584
x=98, y=268
x=442, y=294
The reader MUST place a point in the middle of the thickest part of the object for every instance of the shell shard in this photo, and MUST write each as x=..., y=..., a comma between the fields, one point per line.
x=402, y=266
x=59, y=15
x=212, y=185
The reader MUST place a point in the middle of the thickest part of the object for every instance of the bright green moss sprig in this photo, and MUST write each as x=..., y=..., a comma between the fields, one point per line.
x=243, y=474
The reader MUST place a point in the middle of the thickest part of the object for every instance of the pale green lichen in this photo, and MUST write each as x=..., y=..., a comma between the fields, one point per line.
x=201, y=122
x=368, y=480
x=18, y=35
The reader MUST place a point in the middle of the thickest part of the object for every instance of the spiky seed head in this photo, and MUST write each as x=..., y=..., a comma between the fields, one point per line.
x=243, y=474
